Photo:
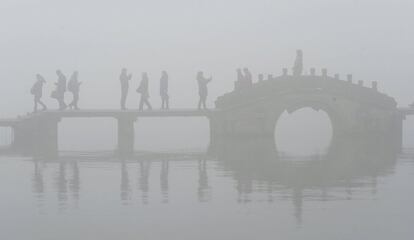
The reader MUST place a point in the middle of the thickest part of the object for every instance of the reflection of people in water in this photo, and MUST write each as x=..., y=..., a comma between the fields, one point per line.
x=59, y=92
x=202, y=192
x=125, y=189
x=73, y=87
x=164, y=180
x=202, y=89
x=124, y=79
x=164, y=91
x=37, y=91
x=144, y=179
x=143, y=90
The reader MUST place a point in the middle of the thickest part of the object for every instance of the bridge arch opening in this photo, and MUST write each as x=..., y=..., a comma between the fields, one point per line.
x=303, y=132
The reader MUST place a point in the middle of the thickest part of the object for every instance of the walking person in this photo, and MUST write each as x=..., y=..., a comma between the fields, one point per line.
x=164, y=91
x=59, y=92
x=74, y=87
x=202, y=89
x=124, y=79
x=143, y=90
x=37, y=91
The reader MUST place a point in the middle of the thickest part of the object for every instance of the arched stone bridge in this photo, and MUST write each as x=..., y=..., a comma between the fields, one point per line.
x=352, y=108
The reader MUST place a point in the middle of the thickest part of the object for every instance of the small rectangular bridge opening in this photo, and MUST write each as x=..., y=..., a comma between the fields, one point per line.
x=173, y=133
x=87, y=134
x=6, y=137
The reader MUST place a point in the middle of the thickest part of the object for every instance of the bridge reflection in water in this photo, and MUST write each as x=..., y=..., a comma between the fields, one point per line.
x=259, y=172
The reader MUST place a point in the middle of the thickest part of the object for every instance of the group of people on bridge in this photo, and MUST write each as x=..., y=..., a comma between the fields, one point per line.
x=61, y=86
x=73, y=86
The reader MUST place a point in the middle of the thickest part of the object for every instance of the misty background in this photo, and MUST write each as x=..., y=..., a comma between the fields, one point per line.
x=372, y=39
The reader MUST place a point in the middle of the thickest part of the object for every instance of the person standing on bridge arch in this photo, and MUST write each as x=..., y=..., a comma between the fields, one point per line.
x=59, y=92
x=143, y=90
x=247, y=79
x=37, y=91
x=73, y=87
x=298, y=65
x=164, y=91
x=124, y=79
x=202, y=89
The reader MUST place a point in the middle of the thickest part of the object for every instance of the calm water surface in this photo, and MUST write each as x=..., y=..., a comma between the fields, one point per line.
x=242, y=192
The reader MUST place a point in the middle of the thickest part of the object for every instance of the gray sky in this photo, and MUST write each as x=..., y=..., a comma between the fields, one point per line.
x=370, y=38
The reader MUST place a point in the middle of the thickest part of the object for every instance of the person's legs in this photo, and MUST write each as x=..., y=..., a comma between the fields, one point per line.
x=75, y=100
x=167, y=103
x=203, y=101
x=39, y=101
x=141, y=104
x=35, y=104
x=62, y=104
x=123, y=100
x=147, y=103
x=199, y=103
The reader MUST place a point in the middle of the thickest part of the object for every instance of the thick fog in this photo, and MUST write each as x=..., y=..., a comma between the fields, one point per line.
x=370, y=38
x=342, y=172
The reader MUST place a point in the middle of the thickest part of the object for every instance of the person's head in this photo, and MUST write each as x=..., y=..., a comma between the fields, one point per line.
x=164, y=73
x=261, y=77
x=239, y=70
x=59, y=73
x=40, y=78
x=75, y=75
x=199, y=74
x=124, y=71
x=245, y=70
x=145, y=76
x=299, y=53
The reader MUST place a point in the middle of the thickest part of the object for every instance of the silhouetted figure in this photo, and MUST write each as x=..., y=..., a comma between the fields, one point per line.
x=412, y=105
x=248, y=79
x=261, y=77
x=124, y=79
x=298, y=65
x=238, y=85
x=73, y=87
x=37, y=91
x=202, y=89
x=143, y=90
x=59, y=92
x=164, y=91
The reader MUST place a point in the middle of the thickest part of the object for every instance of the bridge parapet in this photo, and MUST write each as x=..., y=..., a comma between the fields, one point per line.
x=311, y=84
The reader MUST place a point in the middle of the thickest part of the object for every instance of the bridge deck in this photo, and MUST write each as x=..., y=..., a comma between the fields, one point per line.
x=9, y=122
x=93, y=113
x=406, y=111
